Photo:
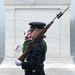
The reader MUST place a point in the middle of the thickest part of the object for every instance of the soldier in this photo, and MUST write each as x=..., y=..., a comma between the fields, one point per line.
x=34, y=61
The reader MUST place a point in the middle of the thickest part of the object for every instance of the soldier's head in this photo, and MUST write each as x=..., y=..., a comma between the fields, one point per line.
x=35, y=28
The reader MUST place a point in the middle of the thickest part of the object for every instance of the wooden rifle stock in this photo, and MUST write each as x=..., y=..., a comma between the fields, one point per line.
x=34, y=41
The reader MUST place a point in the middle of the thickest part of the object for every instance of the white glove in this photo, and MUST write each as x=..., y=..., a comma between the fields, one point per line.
x=18, y=62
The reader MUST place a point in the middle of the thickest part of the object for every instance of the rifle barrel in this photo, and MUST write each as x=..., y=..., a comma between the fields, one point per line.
x=34, y=41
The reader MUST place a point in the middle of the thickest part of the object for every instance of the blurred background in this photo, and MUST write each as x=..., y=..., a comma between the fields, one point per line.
x=2, y=37
x=72, y=29
x=2, y=30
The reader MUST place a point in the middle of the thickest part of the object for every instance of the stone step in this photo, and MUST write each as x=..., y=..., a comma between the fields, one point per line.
x=50, y=69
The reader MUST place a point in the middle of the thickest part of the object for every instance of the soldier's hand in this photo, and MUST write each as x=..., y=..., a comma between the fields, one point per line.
x=18, y=62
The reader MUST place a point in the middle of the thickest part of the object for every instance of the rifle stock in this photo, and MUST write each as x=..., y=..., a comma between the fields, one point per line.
x=34, y=41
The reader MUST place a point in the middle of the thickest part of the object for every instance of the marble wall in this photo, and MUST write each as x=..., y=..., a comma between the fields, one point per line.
x=36, y=2
x=18, y=17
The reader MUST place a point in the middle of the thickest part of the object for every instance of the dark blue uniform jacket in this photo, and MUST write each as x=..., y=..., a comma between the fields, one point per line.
x=35, y=58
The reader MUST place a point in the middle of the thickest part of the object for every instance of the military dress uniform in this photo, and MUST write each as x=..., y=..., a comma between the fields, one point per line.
x=33, y=64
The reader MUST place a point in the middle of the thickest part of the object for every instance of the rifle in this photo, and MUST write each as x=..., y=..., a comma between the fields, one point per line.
x=34, y=41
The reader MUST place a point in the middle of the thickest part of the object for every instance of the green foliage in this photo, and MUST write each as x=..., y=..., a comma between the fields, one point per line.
x=25, y=45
